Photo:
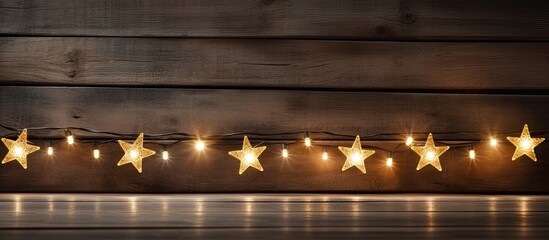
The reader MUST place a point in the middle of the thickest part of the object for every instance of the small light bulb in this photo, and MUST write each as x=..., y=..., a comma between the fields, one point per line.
x=133, y=154
x=325, y=156
x=307, y=139
x=18, y=151
x=50, y=149
x=308, y=142
x=472, y=153
x=390, y=160
x=493, y=142
x=430, y=156
x=356, y=157
x=199, y=145
x=525, y=144
x=284, y=151
x=70, y=139
x=165, y=155
x=96, y=152
x=409, y=141
x=249, y=158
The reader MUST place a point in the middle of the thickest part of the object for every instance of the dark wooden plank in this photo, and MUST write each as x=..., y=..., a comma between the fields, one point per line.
x=287, y=233
x=205, y=112
x=222, y=111
x=273, y=63
x=341, y=19
x=72, y=169
x=316, y=216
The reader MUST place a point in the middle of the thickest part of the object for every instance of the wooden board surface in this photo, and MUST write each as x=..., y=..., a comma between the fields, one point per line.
x=238, y=63
x=206, y=112
x=338, y=19
x=131, y=110
x=472, y=68
x=304, y=216
x=73, y=169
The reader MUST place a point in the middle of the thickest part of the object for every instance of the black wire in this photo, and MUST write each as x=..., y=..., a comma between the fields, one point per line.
x=189, y=137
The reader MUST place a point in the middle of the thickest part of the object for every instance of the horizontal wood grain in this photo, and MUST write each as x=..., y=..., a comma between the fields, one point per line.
x=272, y=216
x=73, y=169
x=131, y=110
x=273, y=63
x=324, y=233
x=337, y=19
x=206, y=112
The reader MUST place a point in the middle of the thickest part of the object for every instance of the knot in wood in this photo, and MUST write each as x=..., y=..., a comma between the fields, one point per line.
x=407, y=18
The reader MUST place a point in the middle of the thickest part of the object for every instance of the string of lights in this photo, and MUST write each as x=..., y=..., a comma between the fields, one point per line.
x=134, y=152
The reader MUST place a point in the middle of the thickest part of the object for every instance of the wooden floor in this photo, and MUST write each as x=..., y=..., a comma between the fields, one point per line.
x=272, y=216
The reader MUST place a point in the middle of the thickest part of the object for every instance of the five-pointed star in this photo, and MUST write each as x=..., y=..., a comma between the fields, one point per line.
x=248, y=156
x=429, y=154
x=525, y=144
x=134, y=153
x=355, y=155
x=19, y=149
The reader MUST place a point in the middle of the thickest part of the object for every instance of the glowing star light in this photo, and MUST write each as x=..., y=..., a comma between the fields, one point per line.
x=355, y=155
x=525, y=144
x=19, y=149
x=134, y=153
x=429, y=154
x=248, y=156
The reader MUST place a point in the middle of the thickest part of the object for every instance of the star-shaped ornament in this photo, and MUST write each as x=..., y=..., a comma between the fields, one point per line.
x=134, y=153
x=355, y=155
x=248, y=156
x=525, y=144
x=19, y=149
x=429, y=154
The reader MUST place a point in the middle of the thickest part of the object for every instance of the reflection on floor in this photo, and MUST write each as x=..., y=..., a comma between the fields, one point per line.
x=272, y=216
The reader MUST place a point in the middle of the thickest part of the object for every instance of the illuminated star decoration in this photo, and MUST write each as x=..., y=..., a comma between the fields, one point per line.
x=134, y=153
x=248, y=156
x=429, y=154
x=525, y=144
x=19, y=149
x=355, y=155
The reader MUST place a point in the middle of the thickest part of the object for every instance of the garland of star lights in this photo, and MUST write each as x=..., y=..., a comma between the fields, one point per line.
x=248, y=156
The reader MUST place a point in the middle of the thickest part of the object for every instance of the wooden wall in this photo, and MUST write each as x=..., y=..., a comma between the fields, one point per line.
x=207, y=67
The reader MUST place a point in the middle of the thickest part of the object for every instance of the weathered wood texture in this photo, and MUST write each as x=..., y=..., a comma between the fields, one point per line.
x=210, y=67
x=221, y=111
x=337, y=19
x=273, y=63
x=161, y=110
x=273, y=216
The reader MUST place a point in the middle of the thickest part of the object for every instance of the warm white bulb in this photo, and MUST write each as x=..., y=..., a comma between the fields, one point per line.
x=409, y=141
x=285, y=153
x=430, y=156
x=325, y=156
x=96, y=153
x=50, y=151
x=356, y=157
x=134, y=154
x=199, y=145
x=70, y=139
x=525, y=143
x=249, y=158
x=307, y=141
x=472, y=154
x=389, y=162
x=165, y=155
x=493, y=142
x=18, y=151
